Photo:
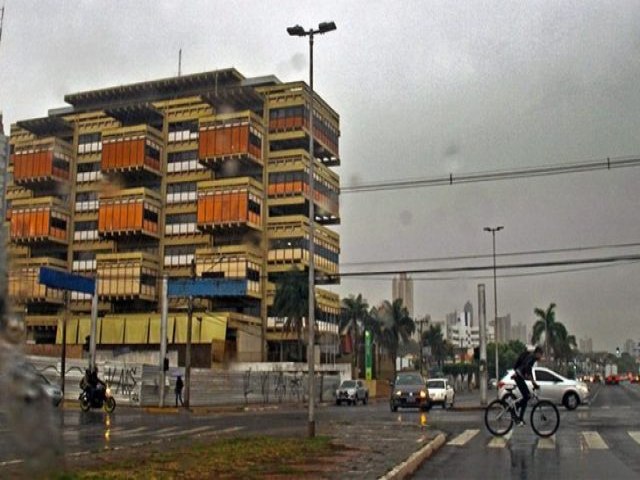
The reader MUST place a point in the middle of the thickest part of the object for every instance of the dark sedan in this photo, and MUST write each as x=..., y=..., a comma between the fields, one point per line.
x=409, y=390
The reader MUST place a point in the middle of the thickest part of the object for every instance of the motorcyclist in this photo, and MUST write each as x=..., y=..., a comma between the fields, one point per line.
x=92, y=383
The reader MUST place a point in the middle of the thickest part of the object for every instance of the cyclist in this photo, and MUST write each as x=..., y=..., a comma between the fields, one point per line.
x=522, y=369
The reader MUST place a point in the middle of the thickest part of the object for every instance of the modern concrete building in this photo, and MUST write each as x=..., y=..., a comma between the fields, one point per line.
x=519, y=332
x=585, y=345
x=4, y=176
x=205, y=172
x=402, y=287
x=460, y=332
x=504, y=328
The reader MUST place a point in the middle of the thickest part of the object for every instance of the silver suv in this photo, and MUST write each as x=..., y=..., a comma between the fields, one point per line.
x=351, y=392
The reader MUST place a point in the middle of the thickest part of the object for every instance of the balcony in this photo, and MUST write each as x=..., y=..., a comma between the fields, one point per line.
x=237, y=136
x=289, y=188
x=39, y=220
x=42, y=164
x=289, y=245
x=289, y=122
x=129, y=212
x=127, y=276
x=231, y=204
x=24, y=285
x=238, y=263
x=134, y=151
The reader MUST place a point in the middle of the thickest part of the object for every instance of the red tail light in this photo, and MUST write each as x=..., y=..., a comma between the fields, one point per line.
x=500, y=384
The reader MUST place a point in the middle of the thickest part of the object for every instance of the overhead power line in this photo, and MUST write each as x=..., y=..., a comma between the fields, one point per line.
x=512, y=266
x=490, y=176
x=488, y=255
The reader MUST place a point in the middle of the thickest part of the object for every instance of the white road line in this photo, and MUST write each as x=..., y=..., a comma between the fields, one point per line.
x=165, y=430
x=11, y=462
x=635, y=436
x=594, y=441
x=463, y=438
x=500, y=442
x=548, y=443
x=196, y=430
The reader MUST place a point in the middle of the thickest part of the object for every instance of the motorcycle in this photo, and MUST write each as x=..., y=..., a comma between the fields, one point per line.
x=102, y=398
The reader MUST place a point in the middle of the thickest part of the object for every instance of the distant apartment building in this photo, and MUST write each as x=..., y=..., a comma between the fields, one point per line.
x=504, y=328
x=585, y=345
x=402, y=287
x=630, y=346
x=204, y=174
x=460, y=331
x=519, y=332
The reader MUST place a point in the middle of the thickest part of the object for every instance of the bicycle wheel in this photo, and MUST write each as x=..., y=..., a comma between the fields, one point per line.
x=497, y=418
x=545, y=418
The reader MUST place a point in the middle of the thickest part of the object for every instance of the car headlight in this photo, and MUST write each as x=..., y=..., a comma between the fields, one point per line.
x=399, y=392
x=423, y=394
x=108, y=391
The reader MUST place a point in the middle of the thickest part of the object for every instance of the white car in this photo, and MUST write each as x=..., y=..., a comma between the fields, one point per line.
x=352, y=391
x=440, y=391
x=553, y=386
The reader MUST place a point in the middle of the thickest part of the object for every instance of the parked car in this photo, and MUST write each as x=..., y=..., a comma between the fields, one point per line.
x=409, y=390
x=553, y=386
x=441, y=392
x=352, y=391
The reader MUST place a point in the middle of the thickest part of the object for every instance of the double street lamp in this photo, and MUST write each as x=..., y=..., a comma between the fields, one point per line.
x=298, y=31
x=495, y=294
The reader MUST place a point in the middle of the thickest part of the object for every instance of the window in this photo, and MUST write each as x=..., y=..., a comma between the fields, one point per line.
x=182, y=192
x=544, y=376
x=183, y=131
x=186, y=161
x=90, y=142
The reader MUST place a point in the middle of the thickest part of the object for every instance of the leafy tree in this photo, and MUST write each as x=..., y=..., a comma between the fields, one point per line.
x=291, y=302
x=395, y=326
x=355, y=310
x=507, y=355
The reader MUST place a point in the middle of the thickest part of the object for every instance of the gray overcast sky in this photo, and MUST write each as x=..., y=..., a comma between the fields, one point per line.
x=424, y=89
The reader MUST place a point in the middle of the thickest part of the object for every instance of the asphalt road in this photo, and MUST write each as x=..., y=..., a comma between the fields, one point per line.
x=599, y=441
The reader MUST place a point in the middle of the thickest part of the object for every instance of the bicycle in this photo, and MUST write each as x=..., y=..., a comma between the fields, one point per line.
x=500, y=415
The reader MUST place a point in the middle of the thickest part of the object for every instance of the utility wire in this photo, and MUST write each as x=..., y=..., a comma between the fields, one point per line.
x=556, y=263
x=489, y=176
x=504, y=254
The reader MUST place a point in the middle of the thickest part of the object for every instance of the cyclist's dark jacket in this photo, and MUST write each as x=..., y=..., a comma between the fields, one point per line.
x=524, y=364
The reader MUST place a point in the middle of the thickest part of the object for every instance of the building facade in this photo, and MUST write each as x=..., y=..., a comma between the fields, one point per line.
x=203, y=175
x=585, y=345
x=519, y=332
x=402, y=288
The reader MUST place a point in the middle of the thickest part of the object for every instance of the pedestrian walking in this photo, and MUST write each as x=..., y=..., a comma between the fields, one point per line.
x=179, y=387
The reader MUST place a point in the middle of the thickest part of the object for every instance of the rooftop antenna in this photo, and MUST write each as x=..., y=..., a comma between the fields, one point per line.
x=179, y=62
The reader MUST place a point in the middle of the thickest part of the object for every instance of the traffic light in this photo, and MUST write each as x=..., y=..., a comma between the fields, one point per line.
x=87, y=342
x=618, y=352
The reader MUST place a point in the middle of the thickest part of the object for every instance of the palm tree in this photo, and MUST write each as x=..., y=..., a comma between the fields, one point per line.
x=395, y=326
x=556, y=337
x=434, y=339
x=291, y=302
x=355, y=310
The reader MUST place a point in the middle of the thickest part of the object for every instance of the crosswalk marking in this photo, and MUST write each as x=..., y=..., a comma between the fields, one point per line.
x=196, y=430
x=464, y=437
x=500, y=442
x=165, y=430
x=635, y=436
x=594, y=441
x=548, y=443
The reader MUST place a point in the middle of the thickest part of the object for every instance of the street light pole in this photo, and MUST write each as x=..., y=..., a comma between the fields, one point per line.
x=299, y=31
x=495, y=295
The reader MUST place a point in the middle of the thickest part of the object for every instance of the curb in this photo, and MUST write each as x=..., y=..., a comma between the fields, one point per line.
x=411, y=464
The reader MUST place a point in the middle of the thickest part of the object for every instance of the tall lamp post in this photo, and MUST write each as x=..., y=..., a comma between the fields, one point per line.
x=298, y=31
x=495, y=294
